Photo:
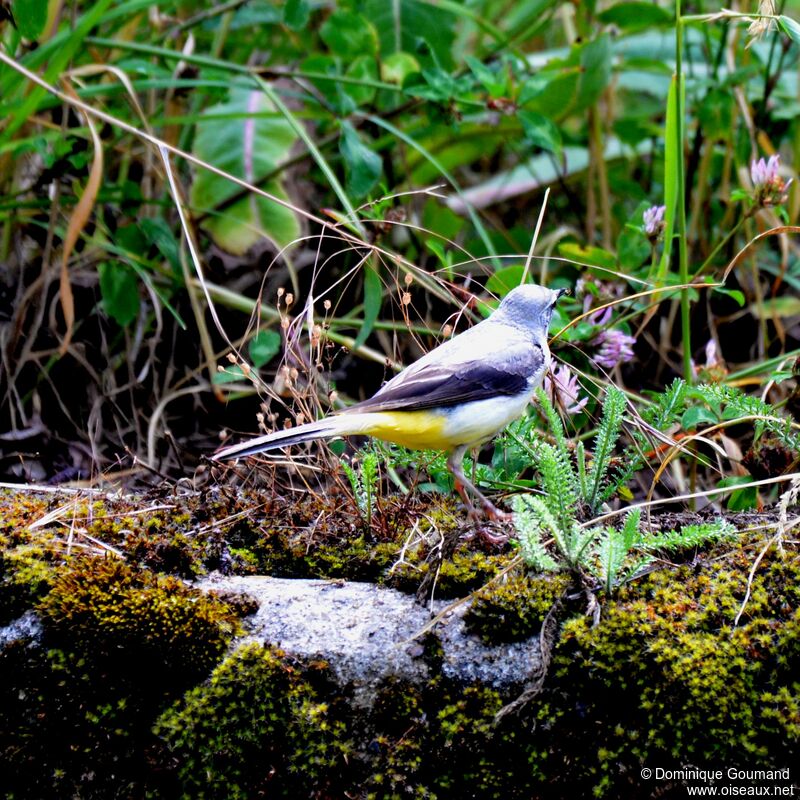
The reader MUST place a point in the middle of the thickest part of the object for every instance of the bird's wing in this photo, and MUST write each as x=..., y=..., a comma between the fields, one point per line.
x=434, y=384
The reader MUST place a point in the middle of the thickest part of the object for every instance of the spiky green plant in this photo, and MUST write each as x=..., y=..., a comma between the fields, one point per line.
x=363, y=481
x=610, y=556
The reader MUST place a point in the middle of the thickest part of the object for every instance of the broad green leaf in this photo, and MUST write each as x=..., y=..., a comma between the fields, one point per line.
x=405, y=25
x=157, y=231
x=633, y=248
x=397, y=67
x=251, y=143
x=263, y=347
x=533, y=87
x=715, y=114
x=348, y=35
x=595, y=62
x=438, y=85
x=363, y=68
x=505, y=279
x=30, y=16
x=231, y=374
x=572, y=84
x=790, y=27
x=741, y=499
x=362, y=165
x=633, y=16
x=373, y=295
x=697, y=417
x=296, y=13
x=737, y=295
x=332, y=90
x=541, y=131
x=119, y=288
x=594, y=256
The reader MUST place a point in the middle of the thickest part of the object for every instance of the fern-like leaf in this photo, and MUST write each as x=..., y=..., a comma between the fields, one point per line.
x=688, y=537
x=605, y=441
x=528, y=520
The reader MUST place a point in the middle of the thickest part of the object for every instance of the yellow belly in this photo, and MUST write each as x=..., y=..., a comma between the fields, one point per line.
x=419, y=430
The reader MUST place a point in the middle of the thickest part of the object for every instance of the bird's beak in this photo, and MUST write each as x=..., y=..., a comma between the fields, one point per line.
x=562, y=292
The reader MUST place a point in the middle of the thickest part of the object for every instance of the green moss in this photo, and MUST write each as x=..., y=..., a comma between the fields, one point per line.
x=103, y=606
x=462, y=573
x=259, y=727
x=26, y=574
x=666, y=677
x=119, y=645
x=513, y=609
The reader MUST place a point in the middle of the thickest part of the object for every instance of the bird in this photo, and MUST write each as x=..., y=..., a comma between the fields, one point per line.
x=456, y=397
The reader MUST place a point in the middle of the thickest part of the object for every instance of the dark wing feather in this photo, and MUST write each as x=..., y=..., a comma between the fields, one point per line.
x=436, y=385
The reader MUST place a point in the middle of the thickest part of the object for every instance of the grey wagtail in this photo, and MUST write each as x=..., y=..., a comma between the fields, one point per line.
x=456, y=397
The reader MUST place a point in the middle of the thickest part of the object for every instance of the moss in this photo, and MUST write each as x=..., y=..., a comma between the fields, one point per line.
x=259, y=727
x=465, y=571
x=103, y=606
x=119, y=645
x=665, y=675
x=513, y=609
x=26, y=575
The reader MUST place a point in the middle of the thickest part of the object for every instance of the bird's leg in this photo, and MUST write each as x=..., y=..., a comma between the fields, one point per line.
x=463, y=485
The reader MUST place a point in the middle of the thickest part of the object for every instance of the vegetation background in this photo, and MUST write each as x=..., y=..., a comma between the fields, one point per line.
x=215, y=211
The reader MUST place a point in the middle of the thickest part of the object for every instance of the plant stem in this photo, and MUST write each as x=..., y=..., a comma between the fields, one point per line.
x=683, y=254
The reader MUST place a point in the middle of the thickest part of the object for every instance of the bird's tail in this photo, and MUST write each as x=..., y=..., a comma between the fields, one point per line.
x=323, y=429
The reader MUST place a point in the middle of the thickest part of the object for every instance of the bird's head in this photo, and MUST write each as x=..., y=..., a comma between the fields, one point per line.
x=530, y=306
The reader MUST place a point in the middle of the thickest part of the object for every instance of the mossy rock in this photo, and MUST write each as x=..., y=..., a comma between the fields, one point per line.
x=513, y=609
x=107, y=609
x=668, y=677
x=260, y=726
x=119, y=644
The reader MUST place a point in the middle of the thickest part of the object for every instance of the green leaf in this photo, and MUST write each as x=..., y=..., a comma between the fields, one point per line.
x=397, y=67
x=373, y=296
x=633, y=16
x=348, y=35
x=296, y=14
x=119, y=288
x=790, y=27
x=735, y=294
x=671, y=156
x=493, y=82
x=741, y=499
x=362, y=166
x=533, y=87
x=575, y=82
x=157, y=231
x=784, y=306
x=541, y=131
x=505, y=279
x=715, y=114
x=363, y=68
x=696, y=417
x=594, y=256
x=247, y=138
x=413, y=26
x=595, y=62
x=263, y=347
x=231, y=374
x=30, y=16
x=331, y=89
x=633, y=248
